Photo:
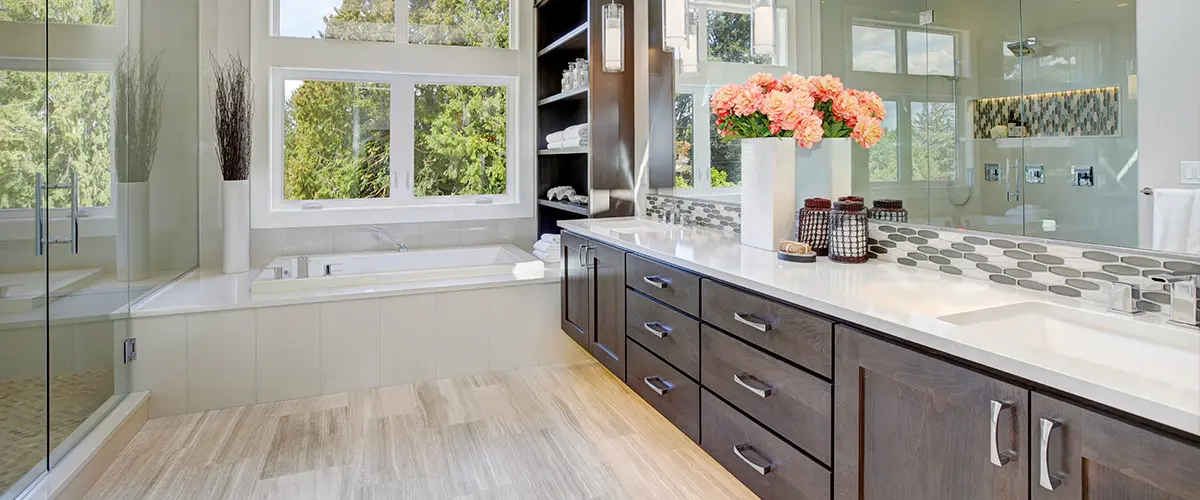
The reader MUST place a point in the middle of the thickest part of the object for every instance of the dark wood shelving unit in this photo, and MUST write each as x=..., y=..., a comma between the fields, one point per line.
x=568, y=30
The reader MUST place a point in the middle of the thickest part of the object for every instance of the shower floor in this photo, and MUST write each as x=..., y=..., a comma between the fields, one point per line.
x=75, y=396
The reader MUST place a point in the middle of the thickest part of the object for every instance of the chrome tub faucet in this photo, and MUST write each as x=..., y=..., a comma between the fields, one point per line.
x=1185, y=297
x=381, y=232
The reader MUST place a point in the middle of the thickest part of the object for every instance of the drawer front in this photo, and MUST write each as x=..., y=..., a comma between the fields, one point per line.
x=678, y=288
x=667, y=390
x=802, y=338
x=770, y=467
x=664, y=331
x=787, y=400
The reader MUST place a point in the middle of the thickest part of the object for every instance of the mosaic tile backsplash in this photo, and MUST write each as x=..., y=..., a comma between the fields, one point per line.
x=1090, y=112
x=1061, y=269
x=703, y=213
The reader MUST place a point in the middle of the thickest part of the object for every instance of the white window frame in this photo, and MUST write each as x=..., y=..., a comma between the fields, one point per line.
x=274, y=59
x=901, y=31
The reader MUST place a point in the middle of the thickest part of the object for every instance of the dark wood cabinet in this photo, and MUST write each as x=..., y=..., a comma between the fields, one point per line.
x=675, y=396
x=1078, y=454
x=785, y=331
x=908, y=425
x=576, y=290
x=608, y=327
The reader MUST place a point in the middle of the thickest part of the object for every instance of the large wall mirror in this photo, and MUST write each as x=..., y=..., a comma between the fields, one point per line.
x=1060, y=119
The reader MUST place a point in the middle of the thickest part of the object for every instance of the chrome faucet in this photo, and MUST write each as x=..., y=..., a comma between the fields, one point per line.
x=1124, y=298
x=1185, y=296
x=400, y=246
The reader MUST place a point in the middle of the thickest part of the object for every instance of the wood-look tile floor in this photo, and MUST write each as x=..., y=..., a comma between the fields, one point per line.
x=554, y=433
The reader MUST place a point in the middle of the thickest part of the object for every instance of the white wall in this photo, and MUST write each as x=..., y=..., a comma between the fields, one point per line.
x=1169, y=75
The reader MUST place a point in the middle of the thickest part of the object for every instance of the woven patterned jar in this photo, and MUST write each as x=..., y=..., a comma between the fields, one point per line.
x=812, y=225
x=888, y=211
x=848, y=232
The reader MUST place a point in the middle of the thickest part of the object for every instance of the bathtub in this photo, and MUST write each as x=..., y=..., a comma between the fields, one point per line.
x=312, y=272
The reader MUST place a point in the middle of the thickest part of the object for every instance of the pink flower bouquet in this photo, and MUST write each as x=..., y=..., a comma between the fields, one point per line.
x=807, y=109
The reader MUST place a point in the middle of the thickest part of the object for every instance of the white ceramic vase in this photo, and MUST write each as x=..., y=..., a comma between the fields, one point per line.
x=133, y=231
x=235, y=217
x=824, y=170
x=768, y=191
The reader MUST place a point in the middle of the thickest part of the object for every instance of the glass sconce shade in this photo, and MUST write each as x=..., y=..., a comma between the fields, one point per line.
x=614, y=38
x=762, y=27
x=674, y=14
x=689, y=57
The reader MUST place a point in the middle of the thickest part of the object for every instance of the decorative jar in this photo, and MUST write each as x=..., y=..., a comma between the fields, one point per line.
x=848, y=231
x=812, y=225
x=888, y=211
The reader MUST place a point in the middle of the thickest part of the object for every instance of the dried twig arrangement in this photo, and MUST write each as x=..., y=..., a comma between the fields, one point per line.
x=234, y=112
x=139, y=97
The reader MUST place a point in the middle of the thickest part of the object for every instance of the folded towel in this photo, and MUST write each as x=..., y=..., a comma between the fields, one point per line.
x=547, y=258
x=552, y=238
x=556, y=137
x=547, y=246
x=555, y=145
x=1177, y=220
x=575, y=132
x=573, y=143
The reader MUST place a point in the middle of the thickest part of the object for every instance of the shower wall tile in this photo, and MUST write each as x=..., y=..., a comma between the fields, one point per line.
x=1073, y=113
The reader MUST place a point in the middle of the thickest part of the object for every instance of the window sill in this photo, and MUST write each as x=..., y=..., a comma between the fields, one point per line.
x=343, y=216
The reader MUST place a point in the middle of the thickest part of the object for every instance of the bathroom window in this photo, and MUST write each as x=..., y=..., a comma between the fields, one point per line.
x=874, y=49
x=930, y=53
x=703, y=162
x=934, y=156
x=883, y=164
x=685, y=140
x=96, y=12
x=466, y=23
x=728, y=38
x=461, y=140
x=903, y=49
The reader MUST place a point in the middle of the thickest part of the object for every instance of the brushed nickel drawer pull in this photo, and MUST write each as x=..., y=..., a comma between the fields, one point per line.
x=998, y=458
x=1045, y=478
x=751, y=321
x=748, y=381
x=741, y=449
x=656, y=281
x=661, y=391
x=657, y=329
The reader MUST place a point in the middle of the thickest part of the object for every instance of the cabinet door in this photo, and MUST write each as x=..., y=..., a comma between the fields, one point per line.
x=907, y=425
x=576, y=290
x=1082, y=455
x=608, y=331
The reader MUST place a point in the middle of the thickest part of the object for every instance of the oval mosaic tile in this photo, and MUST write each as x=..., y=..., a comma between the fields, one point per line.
x=1002, y=279
x=1120, y=270
x=1065, y=291
x=1066, y=272
x=975, y=240
x=1032, y=285
x=962, y=247
x=897, y=237
x=887, y=229
x=1032, y=266
x=917, y=240
x=924, y=233
x=1099, y=276
x=872, y=255
x=1018, y=273
x=938, y=259
x=1163, y=298
x=1005, y=244
x=989, y=268
x=1093, y=255
x=953, y=254
x=974, y=257
x=1032, y=247
x=927, y=249
x=872, y=241
x=918, y=256
x=1017, y=254
x=1051, y=260
x=908, y=231
x=951, y=270
x=1155, y=272
x=1182, y=267
x=1084, y=284
x=1135, y=260
x=878, y=249
x=887, y=244
x=1148, y=306
x=906, y=261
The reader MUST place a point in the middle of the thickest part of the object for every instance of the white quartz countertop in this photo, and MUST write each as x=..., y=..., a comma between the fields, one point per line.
x=906, y=303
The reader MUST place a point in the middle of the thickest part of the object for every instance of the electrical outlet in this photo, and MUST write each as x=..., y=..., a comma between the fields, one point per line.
x=1189, y=172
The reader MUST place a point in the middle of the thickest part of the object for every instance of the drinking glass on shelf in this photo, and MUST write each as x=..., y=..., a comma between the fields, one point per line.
x=581, y=73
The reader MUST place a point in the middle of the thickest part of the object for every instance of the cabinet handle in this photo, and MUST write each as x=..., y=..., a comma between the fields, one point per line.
x=657, y=329
x=752, y=322
x=656, y=282
x=741, y=449
x=661, y=391
x=582, y=255
x=1045, y=478
x=999, y=458
x=748, y=381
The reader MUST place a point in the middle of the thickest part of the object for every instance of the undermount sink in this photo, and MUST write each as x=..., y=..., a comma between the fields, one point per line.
x=1167, y=355
x=639, y=226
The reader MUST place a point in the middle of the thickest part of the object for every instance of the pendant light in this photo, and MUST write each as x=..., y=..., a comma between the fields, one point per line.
x=762, y=27
x=674, y=14
x=614, y=37
x=689, y=57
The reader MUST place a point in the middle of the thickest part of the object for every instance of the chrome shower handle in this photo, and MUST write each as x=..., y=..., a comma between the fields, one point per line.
x=39, y=230
x=74, y=212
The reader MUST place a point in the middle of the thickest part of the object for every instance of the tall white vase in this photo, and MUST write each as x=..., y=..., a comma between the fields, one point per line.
x=768, y=191
x=824, y=170
x=133, y=231
x=235, y=217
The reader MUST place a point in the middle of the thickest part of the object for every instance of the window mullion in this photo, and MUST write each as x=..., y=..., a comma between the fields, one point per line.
x=401, y=23
x=403, y=120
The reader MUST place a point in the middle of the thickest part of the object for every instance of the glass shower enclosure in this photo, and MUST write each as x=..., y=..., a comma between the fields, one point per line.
x=99, y=109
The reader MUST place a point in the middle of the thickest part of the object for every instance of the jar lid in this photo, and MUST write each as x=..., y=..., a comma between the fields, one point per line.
x=848, y=206
x=816, y=203
x=859, y=199
x=888, y=203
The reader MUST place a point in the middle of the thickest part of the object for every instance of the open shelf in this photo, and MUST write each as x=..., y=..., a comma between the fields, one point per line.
x=574, y=39
x=576, y=208
x=578, y=94
x=563, y=151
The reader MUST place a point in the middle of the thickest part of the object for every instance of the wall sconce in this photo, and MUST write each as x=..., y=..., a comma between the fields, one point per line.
x=614, y=37
x=689, y=57
x=674, y=21
x=762, y=22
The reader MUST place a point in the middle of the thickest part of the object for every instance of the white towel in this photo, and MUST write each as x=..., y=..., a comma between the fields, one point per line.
x=547, y=258
x=556, y=137
x=547, y=247
x=1177, y=220
x=551, y=237
x=555, y=145
x=573, y=143
x=575, y=132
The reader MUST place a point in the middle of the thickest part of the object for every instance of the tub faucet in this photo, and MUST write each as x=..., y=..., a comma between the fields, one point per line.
x=400, y=246
x=1185, y=297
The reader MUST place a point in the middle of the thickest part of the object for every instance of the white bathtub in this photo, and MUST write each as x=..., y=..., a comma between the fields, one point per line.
x=286, y=274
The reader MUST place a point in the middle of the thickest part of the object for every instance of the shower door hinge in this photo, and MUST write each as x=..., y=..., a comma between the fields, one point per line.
x=130, y=347
x=926, y=18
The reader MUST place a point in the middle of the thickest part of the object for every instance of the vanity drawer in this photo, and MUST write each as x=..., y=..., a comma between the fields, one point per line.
x=793, y=403
x=678, y=288
x=664, y=331
x=797, y=336
x=668, y=391
x=770, y=467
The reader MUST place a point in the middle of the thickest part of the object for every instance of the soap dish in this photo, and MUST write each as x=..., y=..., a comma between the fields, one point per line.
x=798, y=257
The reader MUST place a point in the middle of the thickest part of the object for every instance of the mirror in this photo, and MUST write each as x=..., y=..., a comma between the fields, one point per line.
x=1026, y=118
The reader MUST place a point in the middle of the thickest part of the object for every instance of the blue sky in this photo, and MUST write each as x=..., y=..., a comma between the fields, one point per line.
x=304, y=18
